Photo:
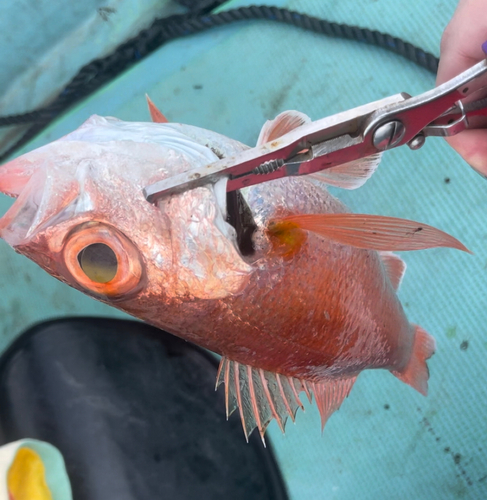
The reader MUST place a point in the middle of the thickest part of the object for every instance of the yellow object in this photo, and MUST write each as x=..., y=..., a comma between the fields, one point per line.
x=26, y=478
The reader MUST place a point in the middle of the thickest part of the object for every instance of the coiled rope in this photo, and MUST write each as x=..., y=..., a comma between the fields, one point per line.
x=98, y=72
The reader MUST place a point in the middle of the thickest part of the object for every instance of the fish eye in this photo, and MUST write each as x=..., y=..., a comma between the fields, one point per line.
x=99, y=262
x=102, y=259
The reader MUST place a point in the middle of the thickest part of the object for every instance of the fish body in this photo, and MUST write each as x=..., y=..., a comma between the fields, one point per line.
x=302, y=310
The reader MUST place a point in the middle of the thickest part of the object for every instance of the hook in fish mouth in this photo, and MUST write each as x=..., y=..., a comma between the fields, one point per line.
x=240, y=218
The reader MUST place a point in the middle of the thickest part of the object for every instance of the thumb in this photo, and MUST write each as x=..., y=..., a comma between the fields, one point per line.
x=472, y=146
x=461, y=43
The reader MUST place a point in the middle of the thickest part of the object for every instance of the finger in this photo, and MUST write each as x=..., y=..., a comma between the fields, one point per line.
x=472, y=146
x=461, y=44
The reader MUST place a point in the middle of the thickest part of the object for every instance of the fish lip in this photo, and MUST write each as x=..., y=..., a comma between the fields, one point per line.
x=240, y=217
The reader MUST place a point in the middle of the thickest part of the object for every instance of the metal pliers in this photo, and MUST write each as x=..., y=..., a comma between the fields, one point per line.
x=344, y=137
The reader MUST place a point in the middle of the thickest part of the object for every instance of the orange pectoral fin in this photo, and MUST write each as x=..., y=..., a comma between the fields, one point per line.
x=374, y=232
x=156, y=115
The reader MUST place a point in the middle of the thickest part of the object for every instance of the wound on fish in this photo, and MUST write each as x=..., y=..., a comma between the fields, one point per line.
x=286, y=238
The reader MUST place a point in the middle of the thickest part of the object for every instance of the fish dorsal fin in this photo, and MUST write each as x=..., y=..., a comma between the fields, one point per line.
x=262, y=395
x=155, y=114
x=330, y=394
x=282, y=124
x=351, y=175
x=395, y=268
x=374, y=232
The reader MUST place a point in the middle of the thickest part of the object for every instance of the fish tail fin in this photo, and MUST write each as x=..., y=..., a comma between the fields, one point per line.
x=416, y=372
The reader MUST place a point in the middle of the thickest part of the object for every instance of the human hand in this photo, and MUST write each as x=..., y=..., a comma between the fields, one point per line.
x=461, y=48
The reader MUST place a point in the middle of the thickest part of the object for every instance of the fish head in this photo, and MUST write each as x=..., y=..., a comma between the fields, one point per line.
x=81, y=215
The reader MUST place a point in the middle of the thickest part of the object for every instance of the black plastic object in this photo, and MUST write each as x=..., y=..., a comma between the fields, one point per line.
x=134, y=412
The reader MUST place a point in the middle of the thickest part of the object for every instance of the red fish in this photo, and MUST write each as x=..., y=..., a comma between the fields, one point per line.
x=296, y=293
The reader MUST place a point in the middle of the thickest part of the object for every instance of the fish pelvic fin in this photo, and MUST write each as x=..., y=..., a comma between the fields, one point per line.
x=282, y=124
x=351, y=175
x=262, y=396
x=416, y=372
x=395, y=268
x=373, y=232
x=155, y=114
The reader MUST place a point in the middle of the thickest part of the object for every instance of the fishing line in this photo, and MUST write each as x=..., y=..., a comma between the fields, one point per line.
x=100, y=71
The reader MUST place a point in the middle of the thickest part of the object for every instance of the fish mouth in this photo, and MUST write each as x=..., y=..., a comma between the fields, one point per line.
x=239, y=216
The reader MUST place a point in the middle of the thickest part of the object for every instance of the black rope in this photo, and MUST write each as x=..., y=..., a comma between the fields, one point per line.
x=100, y=71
